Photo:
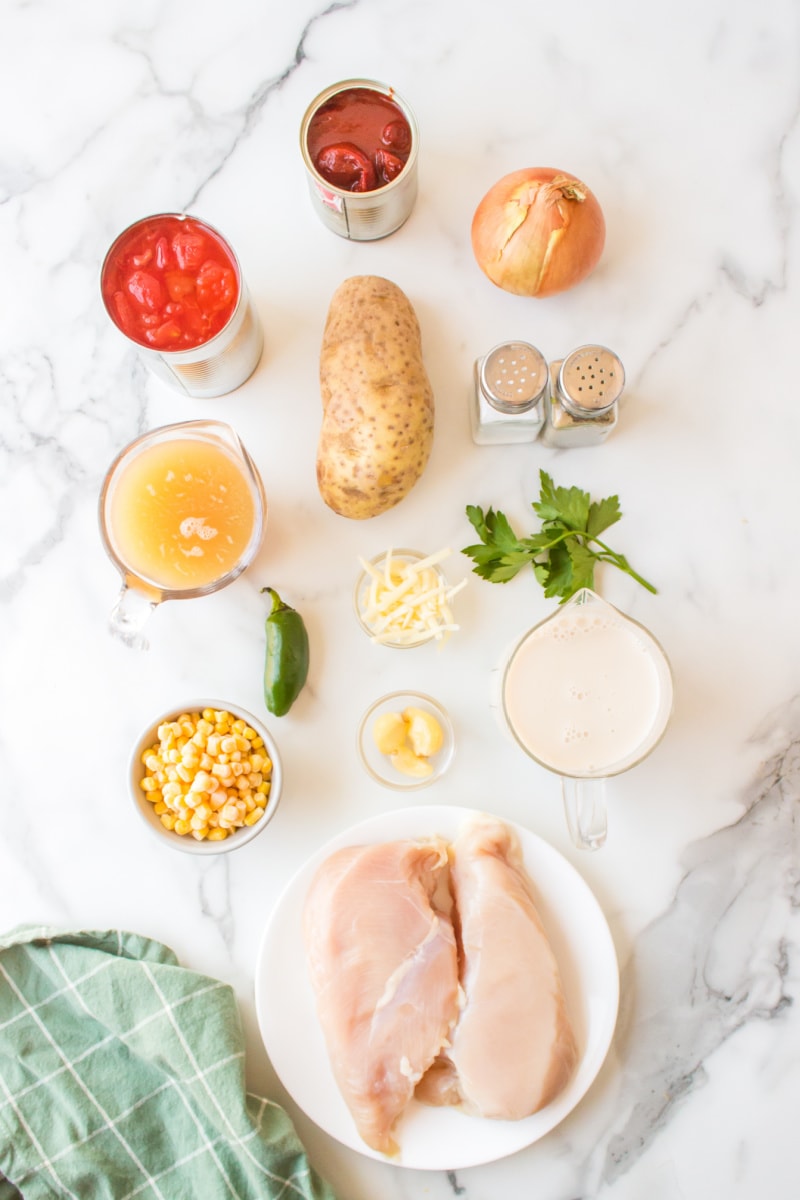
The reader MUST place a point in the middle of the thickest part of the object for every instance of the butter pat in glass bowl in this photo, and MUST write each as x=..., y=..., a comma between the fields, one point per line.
x=414, y=727
x=402, y=599
x=187, y=766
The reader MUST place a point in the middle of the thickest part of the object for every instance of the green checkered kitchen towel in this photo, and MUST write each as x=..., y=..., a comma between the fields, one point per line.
x=122, y=1075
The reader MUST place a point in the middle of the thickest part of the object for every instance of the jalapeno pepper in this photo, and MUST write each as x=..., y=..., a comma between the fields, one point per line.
x=286, y=666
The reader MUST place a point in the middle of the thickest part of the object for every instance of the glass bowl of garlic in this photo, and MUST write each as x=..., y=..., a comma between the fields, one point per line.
x=405, y=741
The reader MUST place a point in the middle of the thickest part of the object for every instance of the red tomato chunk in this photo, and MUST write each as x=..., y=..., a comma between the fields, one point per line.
x=170, y=283
x=359, y=140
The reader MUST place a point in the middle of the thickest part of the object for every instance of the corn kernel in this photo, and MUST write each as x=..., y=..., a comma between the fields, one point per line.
x=209, y=715
x=148, y=784
x=228, y=745
x=168, y=820
x=229, y=812
x=203, y=811
x=258, y=743
x=184, y=773
x=199, y=834
x=217, y=835
x=159, y=808
x=250, y=733
x=152, y=762
x=264, y=788
x=182, y=827
x=254, y=816
x=238, y=726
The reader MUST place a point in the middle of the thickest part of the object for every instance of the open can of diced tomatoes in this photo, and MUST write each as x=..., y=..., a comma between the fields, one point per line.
x=359, y=142
x=173, y=286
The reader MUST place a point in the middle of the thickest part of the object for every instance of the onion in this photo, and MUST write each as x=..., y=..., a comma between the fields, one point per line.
x=538, y=231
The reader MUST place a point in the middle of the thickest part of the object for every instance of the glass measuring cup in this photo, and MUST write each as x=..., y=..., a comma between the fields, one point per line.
x=182, y=513
x=587, y=693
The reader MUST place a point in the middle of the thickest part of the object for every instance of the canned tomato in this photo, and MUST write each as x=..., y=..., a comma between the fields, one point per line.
x=173, y=286
x=359, y=142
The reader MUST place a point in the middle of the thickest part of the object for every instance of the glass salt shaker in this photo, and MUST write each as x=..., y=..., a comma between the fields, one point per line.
x=584, y=390
x=509, y=395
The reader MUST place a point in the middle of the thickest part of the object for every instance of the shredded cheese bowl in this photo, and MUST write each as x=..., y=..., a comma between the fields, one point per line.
x=206, y=778
x=402, y=599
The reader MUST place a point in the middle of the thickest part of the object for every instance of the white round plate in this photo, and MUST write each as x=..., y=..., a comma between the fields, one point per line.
x=437, y=1139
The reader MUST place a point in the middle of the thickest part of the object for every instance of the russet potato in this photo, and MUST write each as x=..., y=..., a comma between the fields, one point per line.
x=377, y=424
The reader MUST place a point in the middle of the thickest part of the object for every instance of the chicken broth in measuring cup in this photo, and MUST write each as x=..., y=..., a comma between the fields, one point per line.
x=182, y=514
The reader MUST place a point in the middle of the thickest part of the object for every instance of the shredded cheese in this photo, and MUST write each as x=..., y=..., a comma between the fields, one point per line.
x=406, y=602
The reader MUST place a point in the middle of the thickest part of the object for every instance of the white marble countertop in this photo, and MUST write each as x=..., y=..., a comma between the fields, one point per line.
x=684, y=121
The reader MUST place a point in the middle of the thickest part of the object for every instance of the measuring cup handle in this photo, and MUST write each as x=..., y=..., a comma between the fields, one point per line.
x=129, y=615
x=585, y=808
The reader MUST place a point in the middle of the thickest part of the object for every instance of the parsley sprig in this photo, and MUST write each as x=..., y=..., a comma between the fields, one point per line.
x=566, y=550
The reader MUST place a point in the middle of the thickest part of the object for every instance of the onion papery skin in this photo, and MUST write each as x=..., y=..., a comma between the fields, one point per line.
x=538, y=231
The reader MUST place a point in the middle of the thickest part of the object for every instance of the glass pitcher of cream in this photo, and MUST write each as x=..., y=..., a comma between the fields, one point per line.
x=587, y=693
x=182, y=513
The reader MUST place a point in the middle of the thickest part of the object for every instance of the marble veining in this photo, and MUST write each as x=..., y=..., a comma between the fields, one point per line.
x=685, y=123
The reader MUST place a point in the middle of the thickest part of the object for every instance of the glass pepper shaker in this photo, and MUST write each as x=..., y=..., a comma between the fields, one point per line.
x=509, y=395
x=584, y=391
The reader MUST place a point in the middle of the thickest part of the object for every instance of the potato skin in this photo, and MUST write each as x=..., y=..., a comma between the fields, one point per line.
x=377, y=425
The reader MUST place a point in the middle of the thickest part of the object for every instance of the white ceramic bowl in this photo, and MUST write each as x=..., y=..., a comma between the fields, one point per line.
x=362, y=586
x=185, y=842
x=379, y=765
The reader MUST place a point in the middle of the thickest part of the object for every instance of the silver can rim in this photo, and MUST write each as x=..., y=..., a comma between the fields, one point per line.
x=213, y=343
x=383, y=89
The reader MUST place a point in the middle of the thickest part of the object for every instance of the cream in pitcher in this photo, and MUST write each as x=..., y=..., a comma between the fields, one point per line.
x=587, y=693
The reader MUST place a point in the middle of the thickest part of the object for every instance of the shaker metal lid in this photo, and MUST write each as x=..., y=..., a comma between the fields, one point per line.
x=591, y=378
x=513, y=376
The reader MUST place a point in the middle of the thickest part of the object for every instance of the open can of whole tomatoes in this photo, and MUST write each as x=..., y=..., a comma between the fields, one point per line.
x=173, y=286
x=359, y=142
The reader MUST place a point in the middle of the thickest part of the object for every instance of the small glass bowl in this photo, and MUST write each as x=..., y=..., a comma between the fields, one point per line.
x=379, y=765
x=362, y=583
x=185, y=842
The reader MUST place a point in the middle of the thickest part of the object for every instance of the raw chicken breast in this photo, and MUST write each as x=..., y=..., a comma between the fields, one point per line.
x=513, y=1049
x=382, y=958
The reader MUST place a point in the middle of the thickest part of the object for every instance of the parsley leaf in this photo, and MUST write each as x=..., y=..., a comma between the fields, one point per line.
x=565, y=551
